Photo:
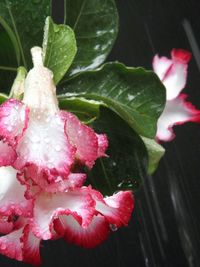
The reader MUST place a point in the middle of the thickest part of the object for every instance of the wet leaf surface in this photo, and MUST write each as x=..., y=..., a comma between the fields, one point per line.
x=59, y=48
x=21, y=16
x=126, y=163
x=135, y=94
x=95, y=23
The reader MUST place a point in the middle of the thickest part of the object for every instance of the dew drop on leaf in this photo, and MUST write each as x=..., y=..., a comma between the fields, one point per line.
x=113, y=227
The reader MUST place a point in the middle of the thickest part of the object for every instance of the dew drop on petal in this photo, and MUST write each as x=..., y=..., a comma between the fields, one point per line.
x=3, y=246
x=57, y=148
x=47, y=140
x=35, y=139
x=9, y=128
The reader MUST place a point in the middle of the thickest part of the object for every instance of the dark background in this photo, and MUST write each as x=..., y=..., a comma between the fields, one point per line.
x=164, y=230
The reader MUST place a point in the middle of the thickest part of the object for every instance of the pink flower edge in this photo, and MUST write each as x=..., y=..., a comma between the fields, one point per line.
x=176, y=112
x=172, y=72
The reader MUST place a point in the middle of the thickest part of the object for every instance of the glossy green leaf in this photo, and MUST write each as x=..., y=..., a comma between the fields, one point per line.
x=59, y=48
x=85, y=110
x=8, y=64
x=3, y=98
x=95, y=23
x=155, y=153
x=12, y=38
x=126, y=164
x=26, y=19
x=88, y=111
x=17, y=89
x=135, y=94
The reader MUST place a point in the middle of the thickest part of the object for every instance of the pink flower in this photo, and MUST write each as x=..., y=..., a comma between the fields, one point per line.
x=173, y=74
x=42, y=152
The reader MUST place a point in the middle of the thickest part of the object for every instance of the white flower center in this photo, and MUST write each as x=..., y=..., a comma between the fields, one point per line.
x=40, y=91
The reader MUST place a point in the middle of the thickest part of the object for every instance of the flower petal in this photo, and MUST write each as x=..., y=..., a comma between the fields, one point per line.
x=37, y=181
x=74, y=180
x=46, y=146
x=6, y=226
x=181, y=55
x=31, y=247
x=13, y=120
x=161, y=65
x=176, y=112
x=117, y=209
x=12, y=200
x=77, y=203
x=11, y=246
x=95, y=233
x=7, y=154
x=89, y=145
x=173, y=75
x=102, y=144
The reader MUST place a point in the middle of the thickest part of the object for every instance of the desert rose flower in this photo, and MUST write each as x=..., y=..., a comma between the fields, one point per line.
x=42, y=151
x=173, y=73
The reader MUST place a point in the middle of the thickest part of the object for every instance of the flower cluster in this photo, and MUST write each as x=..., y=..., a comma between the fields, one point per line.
x=42, y=154
x=173, y=74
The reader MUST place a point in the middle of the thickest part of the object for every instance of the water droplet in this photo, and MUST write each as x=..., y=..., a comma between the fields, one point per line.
x=9, y=128
x=47, y=119
x=3, y=246
x=113, y=227
x=19, y=212
x=35, y=139
x=57, y=148
x=47, y=140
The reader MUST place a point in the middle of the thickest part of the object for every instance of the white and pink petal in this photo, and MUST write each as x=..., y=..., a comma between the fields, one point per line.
x=173, y=75
x=102, y=144
x=6, y=225
x=89, y=145
x=161, y=65
x=13, y=120
x=7, y=154
x=48, y=207
x=46, y=146
x=11, y=246
x=12, y=200
x=39, y=181
x=88, y=237
x=31, y=247
x=176, y=112
x=73, y=181
x=117, y=209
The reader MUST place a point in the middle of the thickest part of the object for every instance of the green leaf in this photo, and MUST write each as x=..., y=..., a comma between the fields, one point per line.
x=17, y=89
x=59, y=48
x=85, y=110
x=155, y=153
x=126, y=164
x=8, y=64
x=3, y=98
x=135, y=94
x=26, y=19
x=12, y=38
x=89, y=110
x=95, y=23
